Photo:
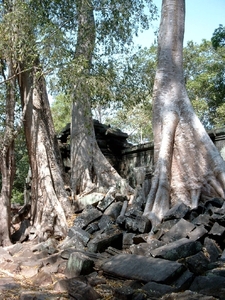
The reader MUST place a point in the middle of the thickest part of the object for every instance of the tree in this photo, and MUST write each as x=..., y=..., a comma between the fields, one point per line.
x=187, y=163
x=114, y=24
x=204, y=70
x=49, y=201
x=7, y=158
x=218, y=38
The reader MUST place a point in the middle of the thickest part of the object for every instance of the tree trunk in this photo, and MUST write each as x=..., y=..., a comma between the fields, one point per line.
x=49, y=201
x=187, y=163
x=7, y=161
x=90, y=170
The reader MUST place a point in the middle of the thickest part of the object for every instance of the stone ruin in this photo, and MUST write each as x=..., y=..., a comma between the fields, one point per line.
x=108, y=240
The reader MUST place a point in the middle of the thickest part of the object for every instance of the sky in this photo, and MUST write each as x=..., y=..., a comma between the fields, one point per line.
x=202, y=18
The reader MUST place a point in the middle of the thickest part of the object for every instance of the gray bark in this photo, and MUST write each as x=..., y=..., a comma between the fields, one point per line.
x=49, y=201
x=90, y=170
x=187, y=164
x=7, y=160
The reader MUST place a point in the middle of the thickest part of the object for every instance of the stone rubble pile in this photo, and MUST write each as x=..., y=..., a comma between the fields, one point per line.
x=111, y=141
x=183, y=257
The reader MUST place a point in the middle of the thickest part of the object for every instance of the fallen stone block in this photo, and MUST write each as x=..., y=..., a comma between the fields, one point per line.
x=204, y=220
x=184, y=281
x=90, y=199
x=187, y=295
x=81, y=290
x=88, y=216
x=128, y=239
x=114, y=210
x=198, y=263
x=113, y=238
x=162, y=228
x=157, y=289
x=212, y=249
x=178, y=249
x=209, y=285
x=138, y=224
x=142, y=268
x=83, y=235
x=78, y=264
x=197, y=233
x=178, y=211
x=180, y=230
x=105, y=202
x=146, y=248
x=105, y=222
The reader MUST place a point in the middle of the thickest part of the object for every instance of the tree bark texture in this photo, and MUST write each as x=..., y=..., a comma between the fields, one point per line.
x=90, y=170
x=187, y=163
x=7, y=160
x=49, y=201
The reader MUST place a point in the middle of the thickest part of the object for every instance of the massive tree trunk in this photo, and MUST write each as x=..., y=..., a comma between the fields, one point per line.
x=49, y=201
x=7, y=160
x=90, y=170
x=187, y=163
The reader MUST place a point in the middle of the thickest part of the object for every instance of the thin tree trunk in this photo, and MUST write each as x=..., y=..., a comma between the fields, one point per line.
x=49, y=201
x=7, y=161
x=90, y=170
x=187, y=163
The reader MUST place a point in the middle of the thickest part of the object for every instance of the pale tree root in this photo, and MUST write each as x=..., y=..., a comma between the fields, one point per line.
x=187, y=168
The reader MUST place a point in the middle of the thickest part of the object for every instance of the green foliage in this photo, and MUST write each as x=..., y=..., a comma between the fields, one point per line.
x=17, y=196
x=218, y=38
x=61, y=111
x=204, y=70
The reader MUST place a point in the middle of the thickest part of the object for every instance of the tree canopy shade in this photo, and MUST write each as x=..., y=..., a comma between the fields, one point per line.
x=187, y=163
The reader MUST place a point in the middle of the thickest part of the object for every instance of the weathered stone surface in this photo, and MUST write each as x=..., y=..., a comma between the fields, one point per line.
x=105, y=222
x=203, y=219
x=4, y=255
x=164, y=227
x=187, y=295
x=112, y=238
x=128, y=239
x=105, y=202
x=157, y=289
x=90, y=199
x=178, y=211
x=138, y=267
x=78, y=264
x=31, y=295
x=178, y=249
x=80, y=290
x=209, y=285
x=42, y=279
x=8, y=283
x=184, y=281
x=88, y=216
x=212, y=249
x=138, y=224
x=83, y=235
x=178, y=231
x=114, y=210
x=146, y=248
x=197, y=233
x=30, y=268
x=217, y=230
x=197, y=263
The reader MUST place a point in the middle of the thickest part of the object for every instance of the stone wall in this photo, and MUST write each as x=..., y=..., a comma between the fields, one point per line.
x=141, y=156
x=125, y=158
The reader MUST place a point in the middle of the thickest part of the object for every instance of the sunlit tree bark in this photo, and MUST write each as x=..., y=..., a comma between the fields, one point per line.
x=49, y=201
x=187, y=164
x=7, y=158
x=90, y=170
